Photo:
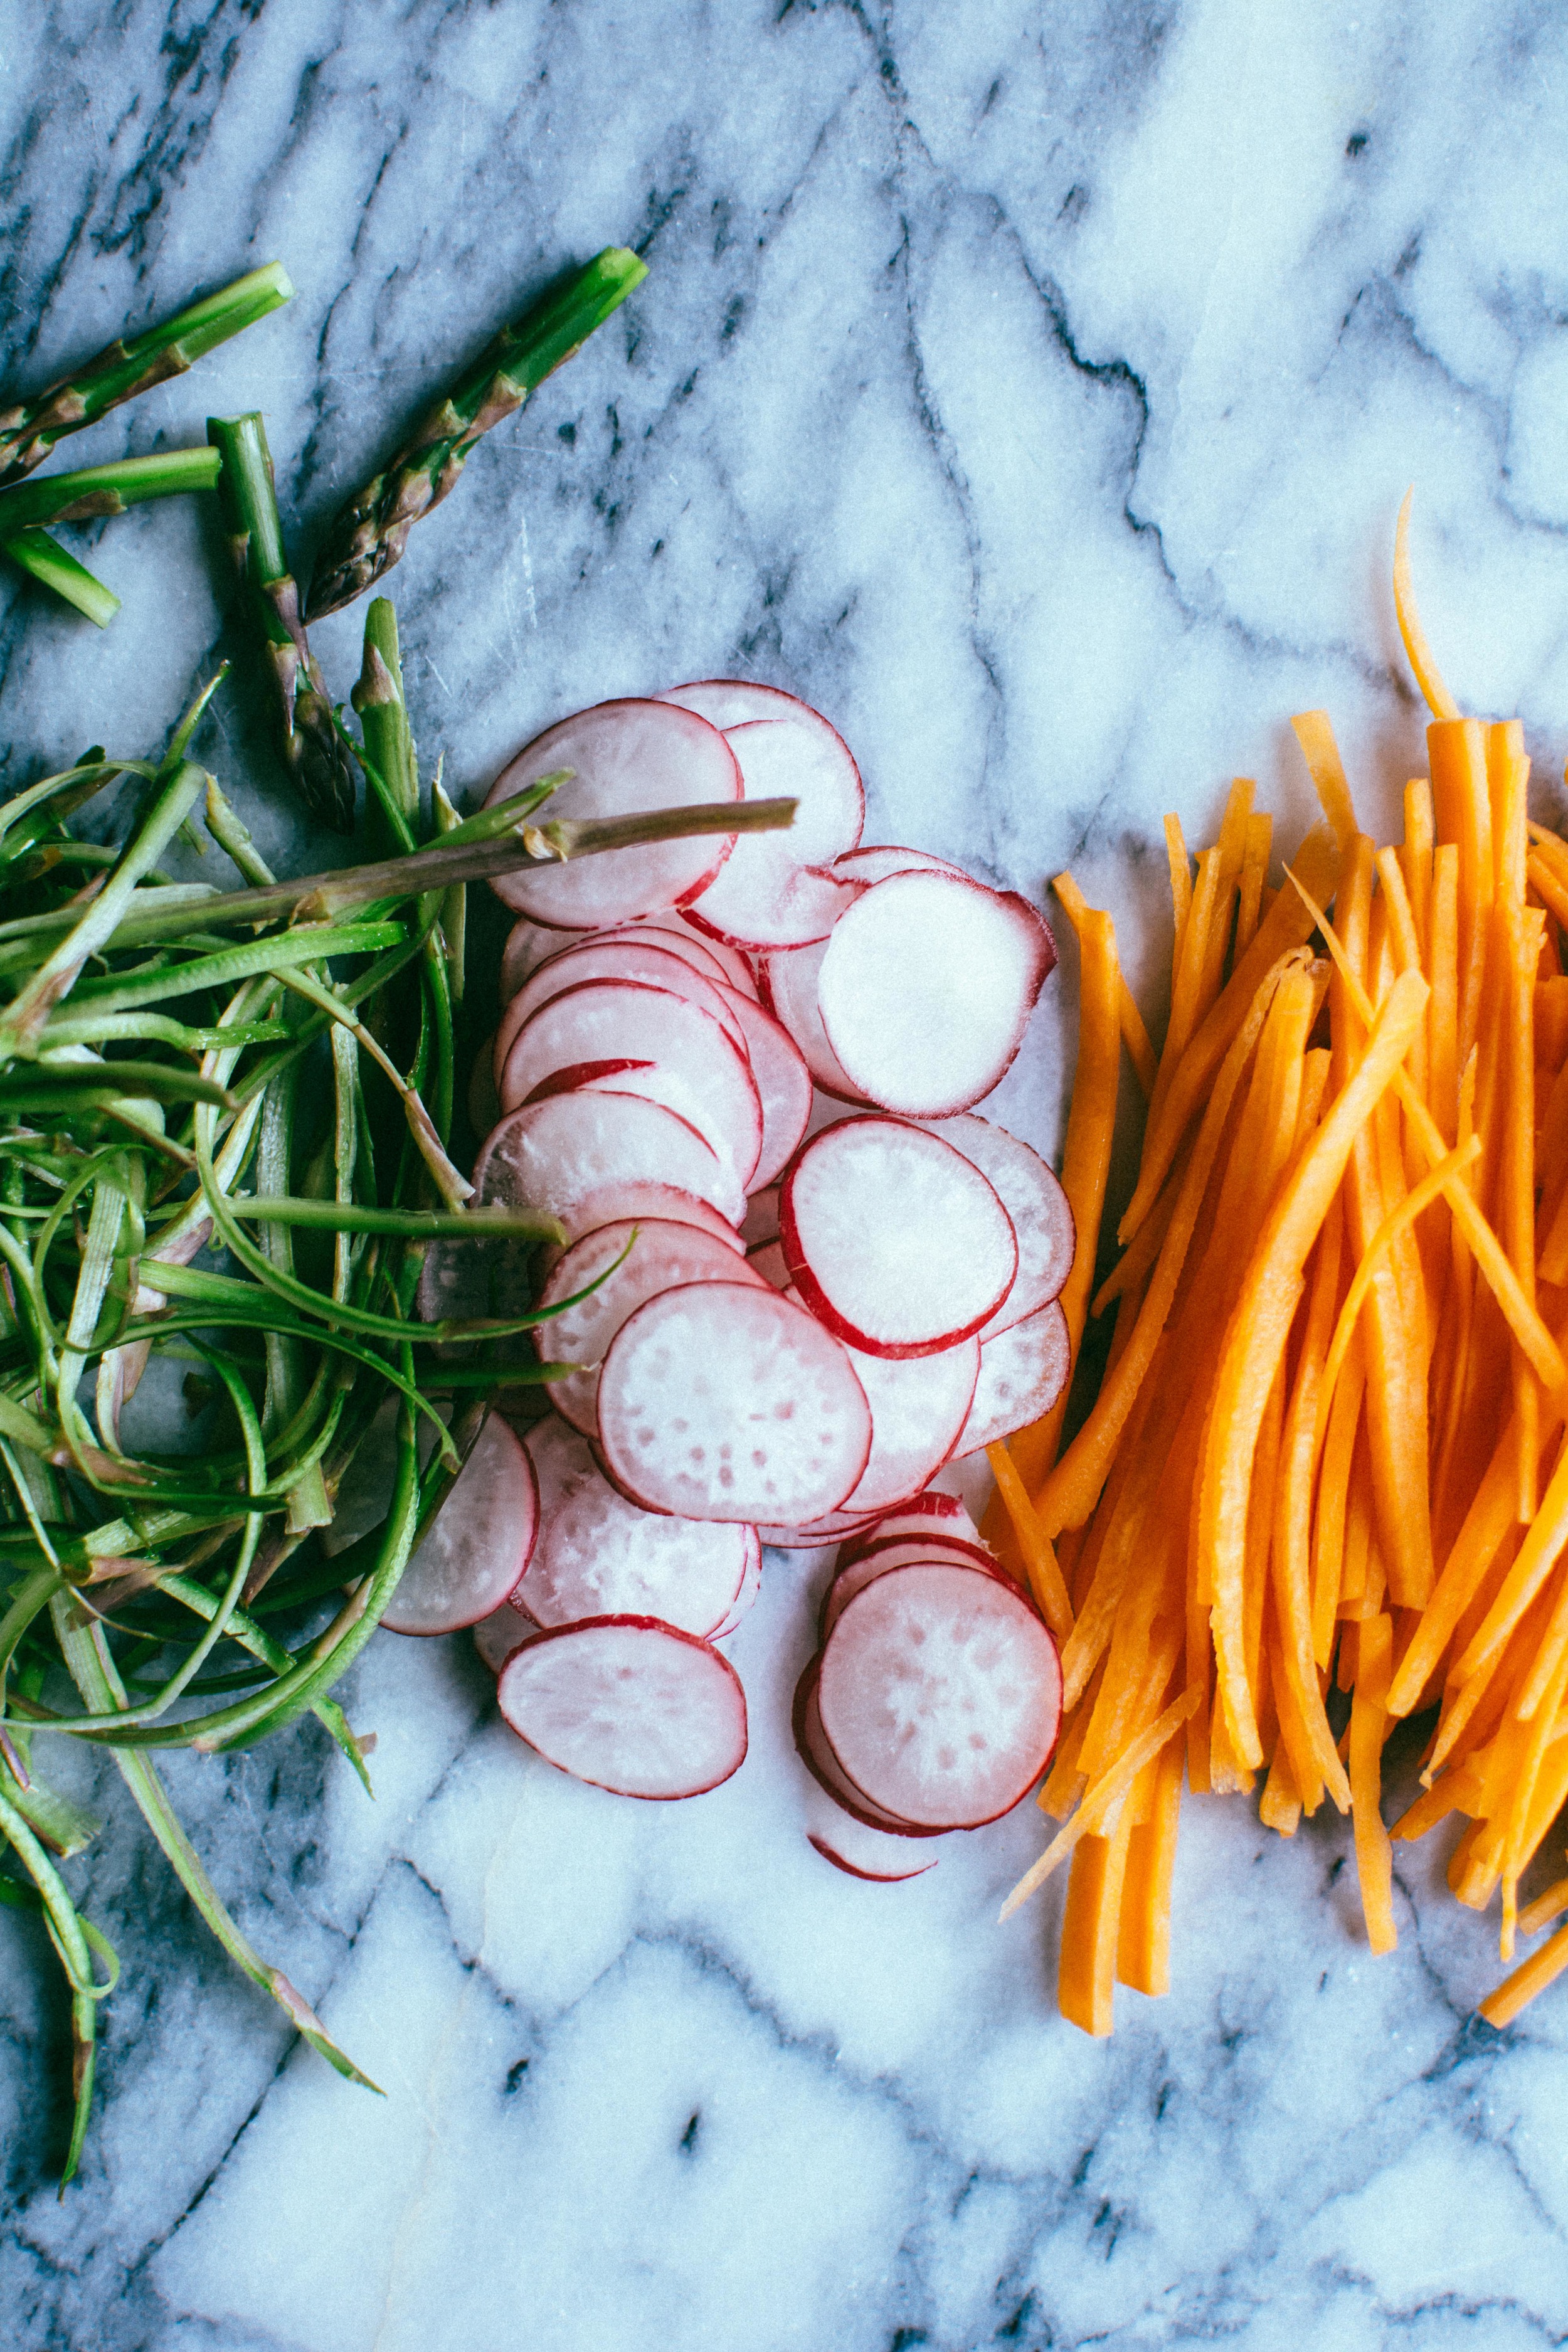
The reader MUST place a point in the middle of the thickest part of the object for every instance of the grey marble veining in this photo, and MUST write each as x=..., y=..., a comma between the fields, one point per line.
x=1033, y=387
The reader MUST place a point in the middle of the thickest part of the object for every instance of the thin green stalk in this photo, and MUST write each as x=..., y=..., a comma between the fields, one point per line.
x=383, y=713
x=44, y=560
x=111, y=489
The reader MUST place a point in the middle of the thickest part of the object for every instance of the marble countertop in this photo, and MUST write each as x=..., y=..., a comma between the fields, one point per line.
x=1033, y=388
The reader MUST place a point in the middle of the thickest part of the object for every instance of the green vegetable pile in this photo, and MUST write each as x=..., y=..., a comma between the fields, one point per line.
x=165, y=1194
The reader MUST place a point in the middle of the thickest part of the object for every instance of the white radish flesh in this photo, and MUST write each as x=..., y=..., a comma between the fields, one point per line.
x=609, y=1204
x=527, y=945
x=616, y=956
x=1023, y=1372
x=552, y=1155
x=812, y=1534
x=931, y=1512
x=720, y=1400
x=783, y=1084
x=879, y=1857
x=857, y=1574
x=925, y=988
x=1041, y=1216
x=627, y=758
x=734, y=961
x=940, y=1696
x=876, y=860
x=919, y=1407
x=895, y=1241
x=629, y=1704
x=654, y=1256
x=474, y=1553
x=503, y=1632
x=688, y=1060
x=773, y=890
x=817, y=1754
x=788, y=982
x=598, y=1556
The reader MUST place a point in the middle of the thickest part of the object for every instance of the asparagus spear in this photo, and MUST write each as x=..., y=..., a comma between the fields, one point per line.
x=311, y=751
x=109, y=489
x=369, y=534
x=29, y=430
x=44, y=560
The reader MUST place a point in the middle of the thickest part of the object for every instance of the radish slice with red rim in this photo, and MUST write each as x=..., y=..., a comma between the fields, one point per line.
x=610, y=1205
x=503, y=1632
x=929, y=1511
x=878, y=1857
x=857, y=1574
x=625, y=757
x=527, y=946
x=783, y=1084
x=732, y=701
x=925, y=988
x=896, y=1240
x=814, y=1534
x=650, y=1043
x=1040, y=1209
x=751, y=1585
x=472, y=1556
x=736, y=963
x=919, y=1407
x=774, y=889
x=876, y=860
x=816, y=1754
x=1023, y=1372
x=598, y=1555
x=615, y=957
x=628, y=1704
x=788, y=984
x=720, y=1400
x=931, y=1538
x=940, y=1696
x=551, y=1156
x=652, y=1257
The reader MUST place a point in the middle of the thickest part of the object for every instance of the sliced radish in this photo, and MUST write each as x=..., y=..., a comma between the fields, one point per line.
x=710, y=957
x=876, y=860
x=736, y=963
x=812, y=1534
x=788, y=982
x=478, y=1545
x=927, y=1542
x=930, y=1511
x=1040, y=1209
x=925, y=988
x=817, y=1754
x=895, y=1240
x=879, y=1857
x=751, y=1585
x=940, y=1696
x=629, y=1704
x=608, y=1205
x=527, y=945
x=666, y=1049
x=551, y=1156
x=783, y=1084
x=731, y=701
x=503, y=1630
x=1023, y=1372
x=625, y=757
x=598, y=1556
x=654, y=1256
x=616, y=956
x=761, y=1222
x=774, y=889
x=720, y=1400
x=859, y=1574
x=919, y=1407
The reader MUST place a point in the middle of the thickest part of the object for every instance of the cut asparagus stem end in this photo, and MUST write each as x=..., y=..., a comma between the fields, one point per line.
x=106, y=489
x=216, y=317
x=44, y=560
x=246, y=492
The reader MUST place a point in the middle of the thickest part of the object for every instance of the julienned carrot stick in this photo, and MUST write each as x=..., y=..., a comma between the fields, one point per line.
x=1039, y=1559
x=1428, y=678
x=1374, y=1857
x=1099, y=1797
x=1256, y=1340
x=1134, y=1036
x=1316, y=736
x=1502, y=2006
x=1181, y=874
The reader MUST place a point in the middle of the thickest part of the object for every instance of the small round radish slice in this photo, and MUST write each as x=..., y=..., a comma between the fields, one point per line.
x=652, y=1257
x=599, y=1555
x=833, y=1528
x=789, y=990
x=609, y=1204
x=720, y=1400
x=629, y=1704
x=816, y=1754
x=1041, y=1214
x=667, y=1050
x=774, y=889
x=731, y=701
x=618, y=955
x=527, y=945
x=473, y=1555
x=897, y=1243
x=783, y=1084
x=1023, y=1372
x=919, y=1406
x=940, y=1696
x=878, y=1856
x=930, y=1512
x=735, y=962
x=503, y=1630
x=925, y=988
x=552, y=1155
x=626, y=758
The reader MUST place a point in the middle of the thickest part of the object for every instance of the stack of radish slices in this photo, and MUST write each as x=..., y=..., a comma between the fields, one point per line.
x=934, y=1699
x=799, y=1274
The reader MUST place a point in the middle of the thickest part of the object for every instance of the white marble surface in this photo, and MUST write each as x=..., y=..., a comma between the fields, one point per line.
x=1034, y=388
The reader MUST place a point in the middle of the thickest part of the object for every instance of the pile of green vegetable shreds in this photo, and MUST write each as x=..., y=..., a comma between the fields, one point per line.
x=165, y=1192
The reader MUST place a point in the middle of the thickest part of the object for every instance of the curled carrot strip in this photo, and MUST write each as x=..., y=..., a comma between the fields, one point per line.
x=1428, y=678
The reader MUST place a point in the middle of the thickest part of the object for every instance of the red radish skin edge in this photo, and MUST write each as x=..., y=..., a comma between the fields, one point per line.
x=641, y=1625
x=863, y=1812
x=867, y=1877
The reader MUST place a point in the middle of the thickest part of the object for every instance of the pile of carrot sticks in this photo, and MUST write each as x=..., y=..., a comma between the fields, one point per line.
x=1326, y=1453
